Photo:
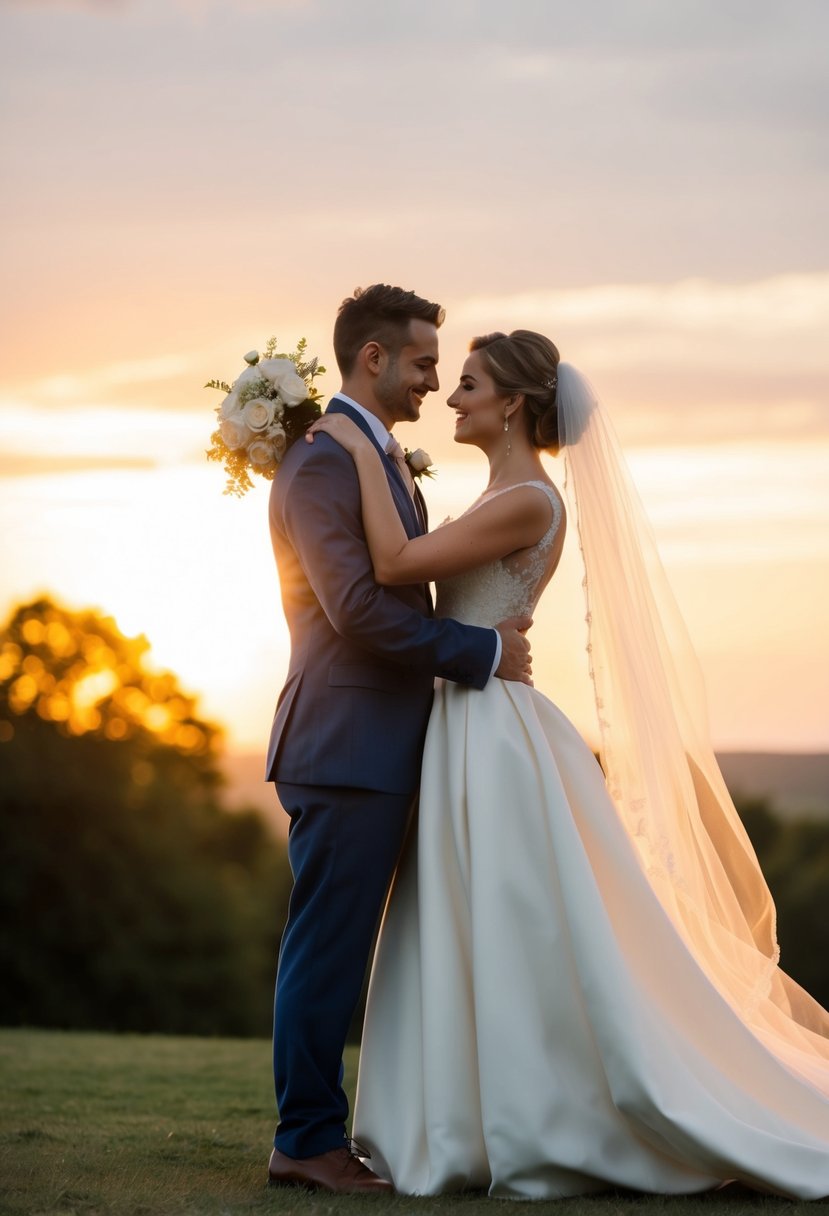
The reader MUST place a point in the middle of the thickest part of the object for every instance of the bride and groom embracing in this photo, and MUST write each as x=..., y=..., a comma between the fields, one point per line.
x=576, y=984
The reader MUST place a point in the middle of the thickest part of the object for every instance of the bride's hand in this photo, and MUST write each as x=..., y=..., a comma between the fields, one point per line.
x=347, y=434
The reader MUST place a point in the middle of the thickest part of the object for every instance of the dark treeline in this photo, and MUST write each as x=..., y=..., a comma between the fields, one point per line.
x=131, y=899
x=795, y=859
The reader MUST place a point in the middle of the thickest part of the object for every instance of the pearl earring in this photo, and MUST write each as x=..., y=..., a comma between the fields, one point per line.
x=506, y=428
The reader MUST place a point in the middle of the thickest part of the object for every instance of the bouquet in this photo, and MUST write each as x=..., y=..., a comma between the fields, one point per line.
x=266, y=409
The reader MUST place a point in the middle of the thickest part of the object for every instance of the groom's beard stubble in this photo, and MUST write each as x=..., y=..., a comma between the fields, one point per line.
x=400, y=401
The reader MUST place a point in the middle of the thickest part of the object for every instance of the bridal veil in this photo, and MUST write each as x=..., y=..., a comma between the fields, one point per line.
x=656, y=752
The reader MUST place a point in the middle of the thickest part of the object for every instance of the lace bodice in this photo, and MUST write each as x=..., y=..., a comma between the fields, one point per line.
x=510, y=586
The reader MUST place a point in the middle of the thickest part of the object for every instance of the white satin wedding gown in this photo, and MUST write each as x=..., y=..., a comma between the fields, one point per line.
x=535, y=1025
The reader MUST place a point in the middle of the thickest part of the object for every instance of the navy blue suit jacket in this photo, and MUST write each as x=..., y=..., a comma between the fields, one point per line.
x=355, y=705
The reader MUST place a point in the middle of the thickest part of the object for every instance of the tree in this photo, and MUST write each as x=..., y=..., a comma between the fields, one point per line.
x=794, y=855
x=131, y=898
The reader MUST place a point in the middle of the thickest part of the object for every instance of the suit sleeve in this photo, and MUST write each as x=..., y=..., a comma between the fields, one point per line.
x=322, y=520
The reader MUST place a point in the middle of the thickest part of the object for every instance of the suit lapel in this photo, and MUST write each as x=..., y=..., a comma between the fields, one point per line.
x=420, y=505
x=412, y=515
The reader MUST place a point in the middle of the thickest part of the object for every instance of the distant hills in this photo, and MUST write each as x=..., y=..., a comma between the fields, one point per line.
x=796, y=785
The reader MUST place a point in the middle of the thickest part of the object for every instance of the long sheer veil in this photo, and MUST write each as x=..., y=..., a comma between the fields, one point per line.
x=659, y=763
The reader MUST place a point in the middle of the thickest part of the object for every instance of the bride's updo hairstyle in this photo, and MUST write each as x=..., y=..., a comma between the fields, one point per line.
x=526, y=362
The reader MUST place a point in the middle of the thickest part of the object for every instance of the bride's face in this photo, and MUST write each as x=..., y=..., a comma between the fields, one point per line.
x=478, y=406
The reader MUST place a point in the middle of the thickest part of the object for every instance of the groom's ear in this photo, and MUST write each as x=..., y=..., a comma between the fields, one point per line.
x=372, y=357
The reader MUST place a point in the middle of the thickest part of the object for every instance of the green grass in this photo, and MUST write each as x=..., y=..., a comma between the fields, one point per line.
x=124, y=1125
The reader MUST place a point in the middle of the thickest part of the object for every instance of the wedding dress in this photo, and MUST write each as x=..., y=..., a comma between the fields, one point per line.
x=537, y=1023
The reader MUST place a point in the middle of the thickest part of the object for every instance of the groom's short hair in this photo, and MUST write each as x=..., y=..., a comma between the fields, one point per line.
x=379, y=314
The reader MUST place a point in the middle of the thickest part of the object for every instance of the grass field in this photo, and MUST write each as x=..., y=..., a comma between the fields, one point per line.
x=122, y=1125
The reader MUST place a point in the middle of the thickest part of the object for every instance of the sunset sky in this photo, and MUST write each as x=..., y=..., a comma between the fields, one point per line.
x=643, y=180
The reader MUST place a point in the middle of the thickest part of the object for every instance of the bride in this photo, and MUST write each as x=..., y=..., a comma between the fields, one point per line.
x=576, y=984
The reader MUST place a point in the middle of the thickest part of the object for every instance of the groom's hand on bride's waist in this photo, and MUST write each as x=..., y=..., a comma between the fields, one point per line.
x=516, y=660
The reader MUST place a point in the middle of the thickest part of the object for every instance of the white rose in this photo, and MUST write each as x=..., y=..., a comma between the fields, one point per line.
x=261, y=455
x=266, y=451
x=278, y=439
x=283, y=375
x=275, y=369
x=245, y=377
x=419, y=461
x=234, y=433
x=258, y=414
x=251, y=357
x=229, y=405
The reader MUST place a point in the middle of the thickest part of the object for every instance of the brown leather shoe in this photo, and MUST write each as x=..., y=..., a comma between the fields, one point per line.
x=338, y=1171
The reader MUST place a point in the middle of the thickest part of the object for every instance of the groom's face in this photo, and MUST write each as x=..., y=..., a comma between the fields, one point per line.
x=410, y=374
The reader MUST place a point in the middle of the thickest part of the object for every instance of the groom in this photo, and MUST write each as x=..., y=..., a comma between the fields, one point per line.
x=348, y=731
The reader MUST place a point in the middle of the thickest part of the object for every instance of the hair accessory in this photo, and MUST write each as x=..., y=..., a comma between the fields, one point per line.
x=551, y=383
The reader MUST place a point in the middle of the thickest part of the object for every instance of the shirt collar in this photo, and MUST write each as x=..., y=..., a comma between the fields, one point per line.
x=378, y=430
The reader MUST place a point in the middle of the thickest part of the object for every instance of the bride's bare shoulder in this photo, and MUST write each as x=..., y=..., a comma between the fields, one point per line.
x=522, y=497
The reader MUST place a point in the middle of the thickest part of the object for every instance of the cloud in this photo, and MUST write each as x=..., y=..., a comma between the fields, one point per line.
x=94, y=6
x=36, y=439
x=683, y=134
x=695, y=360
x=29, y=465
x=688, y=314
x=98, y=382
x=110, y=7
x=690, y=361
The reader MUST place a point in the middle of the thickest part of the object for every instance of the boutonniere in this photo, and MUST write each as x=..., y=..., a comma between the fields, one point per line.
x=419, y=462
